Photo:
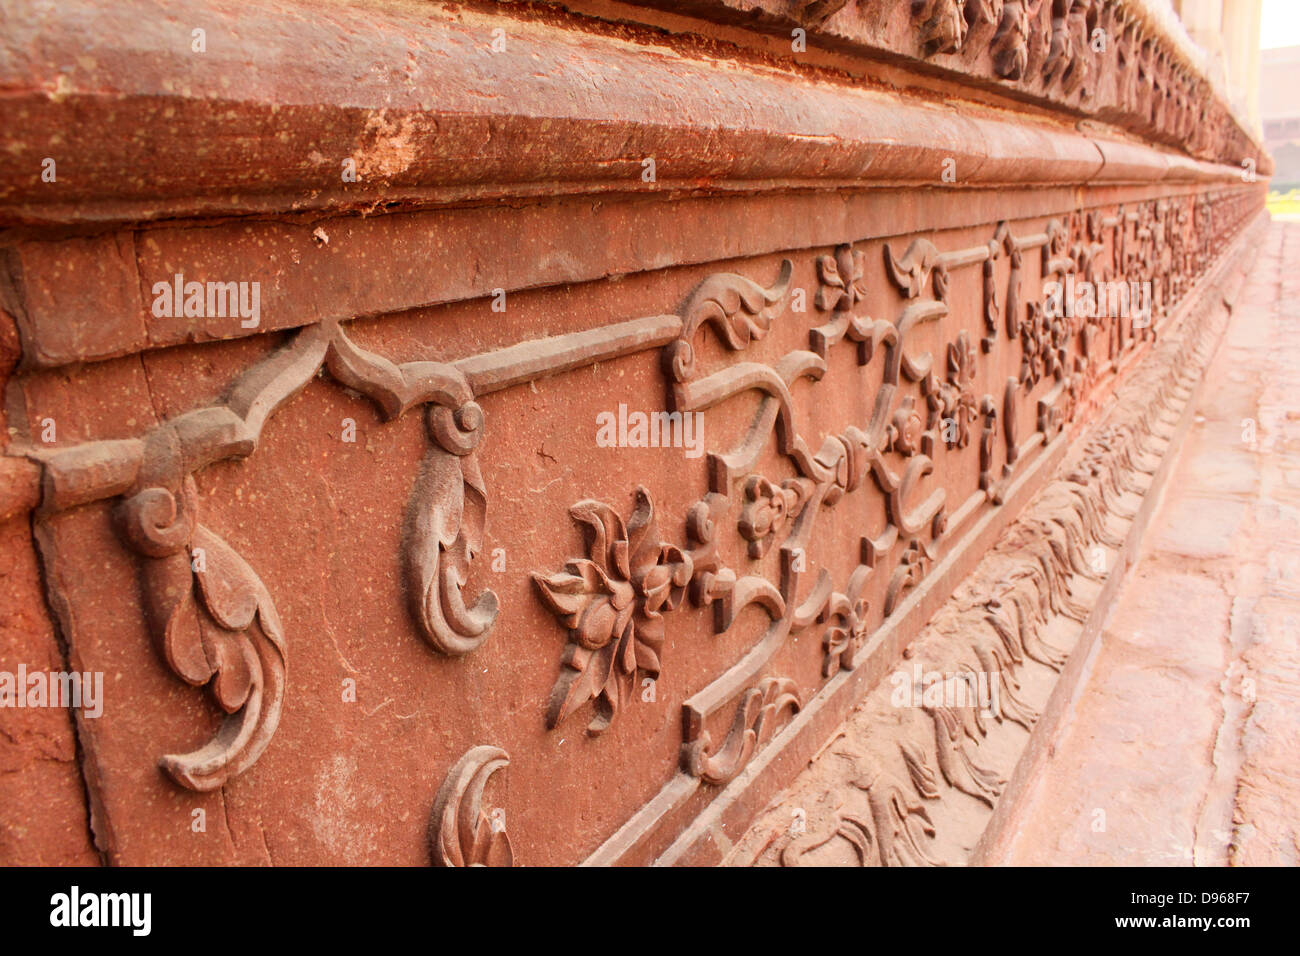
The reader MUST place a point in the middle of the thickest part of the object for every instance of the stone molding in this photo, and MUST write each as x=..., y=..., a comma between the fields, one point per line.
x=1146, y=77
x=584, y=110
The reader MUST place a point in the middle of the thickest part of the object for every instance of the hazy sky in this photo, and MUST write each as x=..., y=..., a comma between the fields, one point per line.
x=1281, y=24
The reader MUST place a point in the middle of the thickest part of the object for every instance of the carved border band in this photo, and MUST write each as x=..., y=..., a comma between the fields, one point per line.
x=895, y=771
x=216, y=624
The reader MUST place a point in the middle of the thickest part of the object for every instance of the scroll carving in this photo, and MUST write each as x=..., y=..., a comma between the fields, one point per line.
x=615, y=619
x=740, y=310
x=445, y=525
x=238, y=644
x=216, y=625
x=757, y=719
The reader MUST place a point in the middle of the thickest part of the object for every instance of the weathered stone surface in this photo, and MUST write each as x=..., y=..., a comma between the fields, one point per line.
x=365, y=581
x=43, y=816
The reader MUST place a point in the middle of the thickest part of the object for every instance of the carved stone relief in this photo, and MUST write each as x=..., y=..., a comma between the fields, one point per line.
x=216, y=624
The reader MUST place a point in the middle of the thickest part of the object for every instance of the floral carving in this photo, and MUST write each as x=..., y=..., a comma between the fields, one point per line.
x=845, y=637
x=612, y=603
x=768, y=510
x=959, y=406
x=842, y=289
x=905, y=429
x=1043, y=341
x=843, y=282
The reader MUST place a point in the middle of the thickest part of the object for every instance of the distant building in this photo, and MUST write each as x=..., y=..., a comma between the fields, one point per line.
x=1279, y=110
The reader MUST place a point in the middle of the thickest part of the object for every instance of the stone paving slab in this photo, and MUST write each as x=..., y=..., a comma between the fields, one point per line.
x=1184, y=747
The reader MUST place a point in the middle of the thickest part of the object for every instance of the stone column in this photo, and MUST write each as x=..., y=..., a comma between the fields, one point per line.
x=1241, y=24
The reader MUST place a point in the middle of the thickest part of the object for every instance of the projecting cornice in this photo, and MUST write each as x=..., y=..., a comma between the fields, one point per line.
x=142, y=127
x=1126, y=62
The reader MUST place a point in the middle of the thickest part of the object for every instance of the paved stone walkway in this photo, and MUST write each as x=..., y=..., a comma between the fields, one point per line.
x=1184, y=747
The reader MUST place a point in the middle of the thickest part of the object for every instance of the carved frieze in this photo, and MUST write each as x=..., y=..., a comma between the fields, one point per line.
x=921, y=411
x=882, y=794
x=772, y=491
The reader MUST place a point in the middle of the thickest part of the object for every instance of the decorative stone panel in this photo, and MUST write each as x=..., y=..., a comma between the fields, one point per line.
x=548, y=512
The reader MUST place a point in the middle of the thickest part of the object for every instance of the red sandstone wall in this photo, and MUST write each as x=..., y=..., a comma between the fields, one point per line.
x=316, y=546
x=43, y=816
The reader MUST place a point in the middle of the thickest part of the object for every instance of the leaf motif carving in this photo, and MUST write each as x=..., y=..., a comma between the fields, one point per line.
x=460, y=832
x=174, y=617
x=911, y=272
x=243, y=643
x=215, y=624
x=757, y=719
x=739, y=309
x=444, y=531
